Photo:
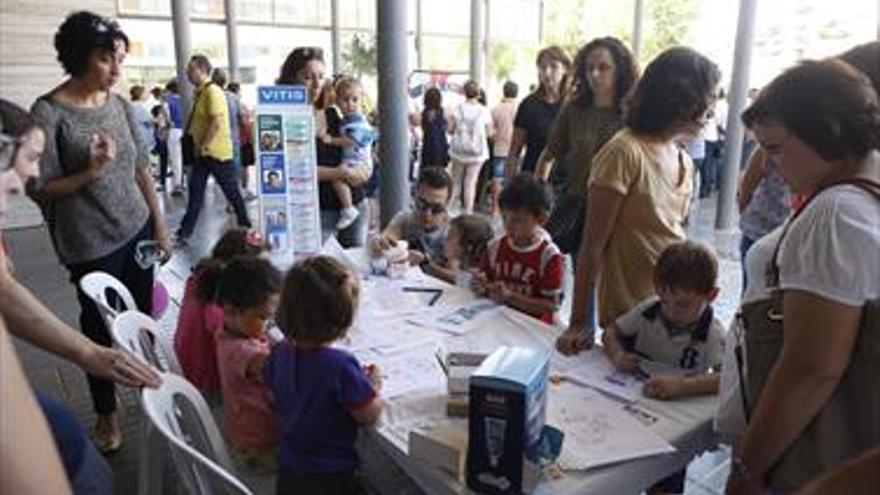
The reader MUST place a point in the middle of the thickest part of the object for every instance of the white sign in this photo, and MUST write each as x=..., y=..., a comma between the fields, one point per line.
x=287, y=168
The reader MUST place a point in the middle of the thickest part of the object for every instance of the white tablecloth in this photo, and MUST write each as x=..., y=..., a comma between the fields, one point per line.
x=685, y=423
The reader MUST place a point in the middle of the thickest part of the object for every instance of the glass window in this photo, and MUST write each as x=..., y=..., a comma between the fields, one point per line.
x=522, y=26
x=303, y=12
x=211, y=9
x=254, y=10
x=358, y=14
x=145, y=7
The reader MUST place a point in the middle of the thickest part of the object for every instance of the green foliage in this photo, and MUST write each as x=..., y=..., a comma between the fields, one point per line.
x=503, y=59
x=666, y=23
x=360, y=56
x=564, y=23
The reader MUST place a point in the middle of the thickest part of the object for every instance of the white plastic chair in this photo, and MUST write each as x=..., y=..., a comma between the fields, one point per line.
x=179, y=412
x=99, y=286
x=142, y=336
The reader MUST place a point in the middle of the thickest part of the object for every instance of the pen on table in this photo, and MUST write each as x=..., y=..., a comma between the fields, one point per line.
x=421, y=289
x=436, y=297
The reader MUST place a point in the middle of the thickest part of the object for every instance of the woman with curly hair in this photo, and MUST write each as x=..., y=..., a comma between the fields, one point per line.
x=95, y=187
x=604, y=73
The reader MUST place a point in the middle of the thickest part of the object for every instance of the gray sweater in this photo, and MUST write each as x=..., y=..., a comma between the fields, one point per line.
x=103, y=215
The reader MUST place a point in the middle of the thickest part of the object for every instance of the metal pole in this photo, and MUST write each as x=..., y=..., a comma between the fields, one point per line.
x=637, y=28
x=540, y=21
x=742, y=60
x=335, y=42
x=478, y=24
x=419, y=41
x=180, y=10
x=391, y=34
x=486, y=36
x=232, y=40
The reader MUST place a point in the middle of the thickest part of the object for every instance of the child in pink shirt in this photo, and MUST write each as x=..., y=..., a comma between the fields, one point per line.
x=201, y=316
x=248, y=289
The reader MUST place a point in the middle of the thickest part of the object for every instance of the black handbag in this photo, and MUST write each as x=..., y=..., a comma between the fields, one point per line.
x=188, y=149
x=566, y=223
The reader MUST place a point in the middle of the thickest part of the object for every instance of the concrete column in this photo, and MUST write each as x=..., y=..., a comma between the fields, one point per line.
x=391, y=34
x=540, y=21
x=335, y=39
x=232, y=40
x=180, y=10
x=637, y=28
x=487, y=36
x=478, y=41
x=420, y=43
x=742, y=61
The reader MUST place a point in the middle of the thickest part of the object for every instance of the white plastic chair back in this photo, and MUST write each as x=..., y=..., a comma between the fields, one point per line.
x=107, y=292
x=179, y=412
x=142, y=336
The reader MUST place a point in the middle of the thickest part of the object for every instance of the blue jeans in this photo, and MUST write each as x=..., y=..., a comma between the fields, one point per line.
x=355, y=235
x=227, y=178
x=87, y=471
x=498, y=164
x=710, y=170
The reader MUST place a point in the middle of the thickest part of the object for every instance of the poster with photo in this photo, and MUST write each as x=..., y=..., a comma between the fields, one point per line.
x=289, y=210
x=272, y=175
x=269, y=133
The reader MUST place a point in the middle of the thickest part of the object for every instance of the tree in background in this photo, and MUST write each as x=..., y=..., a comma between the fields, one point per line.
x=665, y=23
x=503, y=59
x=360, y=56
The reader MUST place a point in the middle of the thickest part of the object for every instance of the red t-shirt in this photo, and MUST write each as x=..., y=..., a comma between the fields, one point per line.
x=535, y=271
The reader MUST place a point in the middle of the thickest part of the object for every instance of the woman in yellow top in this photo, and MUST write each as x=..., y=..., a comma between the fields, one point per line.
x=639, y=190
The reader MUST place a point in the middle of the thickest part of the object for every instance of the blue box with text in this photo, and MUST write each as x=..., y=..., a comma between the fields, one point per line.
x=508, y=402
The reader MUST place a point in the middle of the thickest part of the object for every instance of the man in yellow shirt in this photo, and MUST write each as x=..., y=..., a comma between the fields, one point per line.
x=209, y=127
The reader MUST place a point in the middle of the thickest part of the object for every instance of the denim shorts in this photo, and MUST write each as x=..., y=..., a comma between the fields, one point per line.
x=498, y=164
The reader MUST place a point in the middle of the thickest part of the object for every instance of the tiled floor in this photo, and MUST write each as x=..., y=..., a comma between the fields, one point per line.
x=40, y=271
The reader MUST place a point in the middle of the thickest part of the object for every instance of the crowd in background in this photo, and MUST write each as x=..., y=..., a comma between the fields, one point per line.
x=600, y=161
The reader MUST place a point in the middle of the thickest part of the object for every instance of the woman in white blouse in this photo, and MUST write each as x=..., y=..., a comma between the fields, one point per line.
x=814, y=351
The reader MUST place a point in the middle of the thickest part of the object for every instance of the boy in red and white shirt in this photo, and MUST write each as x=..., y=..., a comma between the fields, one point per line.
x=523, y=268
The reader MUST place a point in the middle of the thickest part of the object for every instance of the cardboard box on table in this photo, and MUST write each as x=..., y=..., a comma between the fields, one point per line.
x=508, y=399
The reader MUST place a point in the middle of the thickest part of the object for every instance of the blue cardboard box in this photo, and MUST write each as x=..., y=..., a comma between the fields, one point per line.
x=508, y=400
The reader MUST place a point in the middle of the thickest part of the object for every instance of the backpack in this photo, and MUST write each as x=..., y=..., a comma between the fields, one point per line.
x=467, y=141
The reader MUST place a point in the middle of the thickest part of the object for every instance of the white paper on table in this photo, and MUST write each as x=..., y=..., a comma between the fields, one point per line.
x=592, y=369
x=458, y=320
x=411, y=370
x=597, y=430
x=386, y=335
x=333, y=249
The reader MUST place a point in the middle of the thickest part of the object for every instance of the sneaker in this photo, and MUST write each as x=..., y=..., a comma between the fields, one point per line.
x=108, y=435
x=347, y=216
x=249, y=196
x=177, y=192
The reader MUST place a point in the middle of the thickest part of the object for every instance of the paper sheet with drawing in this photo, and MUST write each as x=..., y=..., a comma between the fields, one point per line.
x=386, y=335
x=592, y=369
x=458, y=320
x=598, y=430
x=411, y=370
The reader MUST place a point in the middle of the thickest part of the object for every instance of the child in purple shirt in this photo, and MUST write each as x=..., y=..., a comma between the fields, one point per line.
x=322, y=394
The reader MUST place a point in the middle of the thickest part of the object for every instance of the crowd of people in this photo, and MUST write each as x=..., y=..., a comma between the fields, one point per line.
x=599, y=162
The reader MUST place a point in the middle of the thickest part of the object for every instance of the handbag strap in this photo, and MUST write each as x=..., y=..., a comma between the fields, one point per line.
x=867, y=185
